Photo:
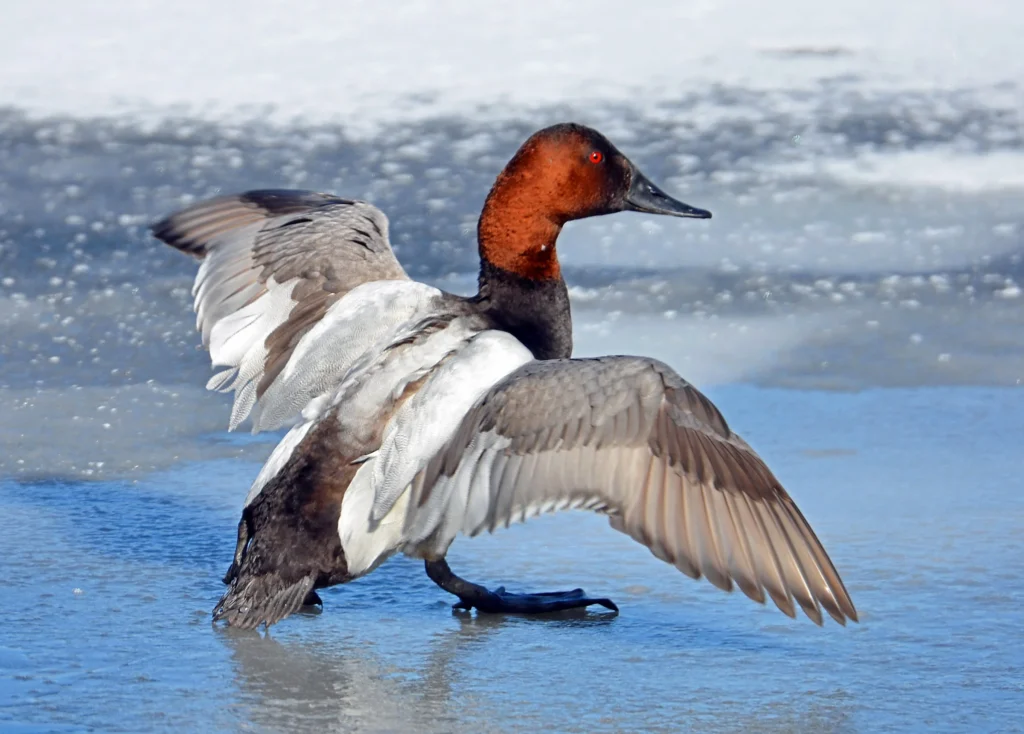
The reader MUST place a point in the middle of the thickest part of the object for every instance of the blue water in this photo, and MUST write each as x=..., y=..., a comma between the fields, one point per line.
x=106, y=588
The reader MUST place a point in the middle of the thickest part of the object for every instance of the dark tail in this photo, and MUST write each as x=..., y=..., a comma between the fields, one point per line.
x=252, y=601
x=257, y=595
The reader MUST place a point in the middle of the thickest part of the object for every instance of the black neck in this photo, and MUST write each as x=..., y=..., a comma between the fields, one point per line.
x=536, y=312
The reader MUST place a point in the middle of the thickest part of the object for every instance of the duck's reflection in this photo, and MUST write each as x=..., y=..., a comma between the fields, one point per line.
x=379, y=659
x=358, y=684
x=351, y=684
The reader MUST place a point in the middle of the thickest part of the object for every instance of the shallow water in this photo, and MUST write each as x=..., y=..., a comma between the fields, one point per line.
x=107, y=587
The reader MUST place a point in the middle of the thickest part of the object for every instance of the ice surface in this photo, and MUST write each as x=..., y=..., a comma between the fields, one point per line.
x=106, y=588
x=121, y=431
x=803, y=278
x=993, y=171
x=352, y=62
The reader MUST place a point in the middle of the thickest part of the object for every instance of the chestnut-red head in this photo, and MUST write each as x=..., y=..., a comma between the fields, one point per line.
x=561, y=173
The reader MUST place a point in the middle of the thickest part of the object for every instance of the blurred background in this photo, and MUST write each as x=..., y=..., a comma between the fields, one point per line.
x=854, y=307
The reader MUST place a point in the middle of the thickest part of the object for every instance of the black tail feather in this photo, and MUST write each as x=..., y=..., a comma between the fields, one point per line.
x=261, y=600
x=244, y=535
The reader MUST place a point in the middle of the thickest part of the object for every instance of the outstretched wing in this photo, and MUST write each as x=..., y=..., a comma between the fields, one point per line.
x=629, y=437
x=273, y=264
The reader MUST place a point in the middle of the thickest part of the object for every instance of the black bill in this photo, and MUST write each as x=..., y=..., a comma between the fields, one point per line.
x=644, y=196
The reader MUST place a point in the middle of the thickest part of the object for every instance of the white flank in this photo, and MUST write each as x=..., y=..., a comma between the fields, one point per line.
x=368, y=544
x=430, y=418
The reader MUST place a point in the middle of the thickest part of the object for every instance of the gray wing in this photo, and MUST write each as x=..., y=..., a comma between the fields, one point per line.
x=273, y=263
x=629, y=437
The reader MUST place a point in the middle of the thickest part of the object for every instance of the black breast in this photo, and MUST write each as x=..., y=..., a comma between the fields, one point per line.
x=536, y=312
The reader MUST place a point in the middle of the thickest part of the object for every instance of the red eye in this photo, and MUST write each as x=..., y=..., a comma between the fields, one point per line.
x=596, y=156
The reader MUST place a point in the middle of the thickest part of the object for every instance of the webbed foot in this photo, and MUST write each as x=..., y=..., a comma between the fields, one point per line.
x=499, y=601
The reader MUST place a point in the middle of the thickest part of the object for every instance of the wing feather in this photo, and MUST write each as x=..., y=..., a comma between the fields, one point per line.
x=282, y=258
x=629, y=437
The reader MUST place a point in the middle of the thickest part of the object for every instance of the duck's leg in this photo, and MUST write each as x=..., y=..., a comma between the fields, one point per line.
x=313, y=600
x=499, y=601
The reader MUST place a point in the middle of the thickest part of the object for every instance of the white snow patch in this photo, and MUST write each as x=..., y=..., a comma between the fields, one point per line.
x=943, y=169
x=363, y=64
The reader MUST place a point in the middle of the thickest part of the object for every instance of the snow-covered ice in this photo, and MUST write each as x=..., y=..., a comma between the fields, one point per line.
x=346, y=60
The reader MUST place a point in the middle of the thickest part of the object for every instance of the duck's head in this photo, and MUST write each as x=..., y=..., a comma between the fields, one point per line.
x=559, y=174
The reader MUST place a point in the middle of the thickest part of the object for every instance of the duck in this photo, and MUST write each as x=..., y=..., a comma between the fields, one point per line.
x=415, y=416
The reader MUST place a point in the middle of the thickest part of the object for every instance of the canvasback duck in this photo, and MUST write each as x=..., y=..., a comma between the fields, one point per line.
x=417, y=415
